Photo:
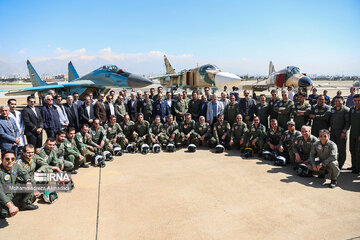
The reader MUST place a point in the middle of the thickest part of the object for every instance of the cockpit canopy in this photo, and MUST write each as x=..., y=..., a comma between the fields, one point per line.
x=208, y=67
x=111, y=68
x=293, y=70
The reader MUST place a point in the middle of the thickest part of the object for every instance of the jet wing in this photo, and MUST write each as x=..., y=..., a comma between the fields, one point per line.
x=165, y=76
x=32, y=90
x=259, y=86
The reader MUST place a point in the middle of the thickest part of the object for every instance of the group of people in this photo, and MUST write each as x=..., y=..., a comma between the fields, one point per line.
x=304, y=131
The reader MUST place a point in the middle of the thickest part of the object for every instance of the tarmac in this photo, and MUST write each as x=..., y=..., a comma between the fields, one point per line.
x=201, y=195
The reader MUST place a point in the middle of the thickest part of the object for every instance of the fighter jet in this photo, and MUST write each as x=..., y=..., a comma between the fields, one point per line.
x=99, y=80
x=288, y=77
x=204, y=76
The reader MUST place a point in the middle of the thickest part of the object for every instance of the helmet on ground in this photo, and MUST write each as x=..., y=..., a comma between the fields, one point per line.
x=249, y=152
x=192, y=148
x=302, y=170
x=50, y=197
x=145, y=149
x=98, y=160
x=117, y=150
x=108, y=156
x=156, y=148
x=280, y=161
x=170, y=147
x=130, y=148
x=267, y=155
x=219, y=148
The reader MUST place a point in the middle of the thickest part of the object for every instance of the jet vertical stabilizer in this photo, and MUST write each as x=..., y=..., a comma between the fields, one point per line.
x=72, y=74
x=271, y=68
x=169, y=68
x=34, y=77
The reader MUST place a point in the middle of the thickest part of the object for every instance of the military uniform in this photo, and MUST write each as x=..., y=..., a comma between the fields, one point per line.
x=273, y=136
x=128, y=130
x=301, y=120
x=115, y=132
x=273, y=114
x=143, y=130
x=185, y=129
x=97, y=136
x=147, y=109
x=287, y=141
x=60, y=152
x=327, y=155
x=230, y=112
x=12, y=177
x=258, y=133
x=340, y=123
x=50, y=157
x=219, y=130
x=82, y=142
x=303, y=147
x=180, y=107
x=354, y=135
x=173, y=129
x=321, y=120
x=239, y=132
x=284, y=115
x=120, y=111
x=262, y=111
x=159, y=132
x=35, y=164
x=194, y=109
x=72, y=153
x=202, y=130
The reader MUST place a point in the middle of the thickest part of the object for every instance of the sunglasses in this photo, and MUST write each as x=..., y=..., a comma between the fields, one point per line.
x=32, y=101
x=10, y=159
x=323, y=136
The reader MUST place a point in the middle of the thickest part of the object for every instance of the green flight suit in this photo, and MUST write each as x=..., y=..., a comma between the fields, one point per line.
x=60, y=152
x=284, y=115
x=230, y=112
x=115, y=132
x=120, y=111
x=173, y=129
x=180, y=108
x=262, y=111
x=273, y=136
x=143, y=130
x=272, y=113
x=258, y=133
x=354, y=138
x=239, y=132
x=321, y=120
x=82, y=142
x=50, y=157
x=72, y=153
x=185, y=129
x=159, y=132
x=128, y=130
x=219, y=130
x=147, y=109
x=327, y=154
x=301, y=120
x=287, y=142
x=303, y=147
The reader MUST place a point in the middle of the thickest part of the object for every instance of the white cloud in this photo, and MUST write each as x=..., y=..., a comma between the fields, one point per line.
x=23, y=51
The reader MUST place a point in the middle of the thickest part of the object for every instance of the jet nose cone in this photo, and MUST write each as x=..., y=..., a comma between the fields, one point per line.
x=226, y=78
x=356, y=84
x=305, y=82
x=136, y=81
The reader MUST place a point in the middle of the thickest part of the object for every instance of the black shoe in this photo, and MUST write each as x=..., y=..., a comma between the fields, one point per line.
x=29, y=207
x=355, y=171
x=73, y=172
x=85, y=166
x=333, y=184
x=349, y=168
x=321, y=175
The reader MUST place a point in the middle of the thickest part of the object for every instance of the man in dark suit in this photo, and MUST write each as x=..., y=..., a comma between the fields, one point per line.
x=203, y=106
x=72, y=113
x=132, y=107
x=171, y=103
x=99, y=109
x=9, y=132
x=76, y=99
x=50, y=116
x=86, y=111
x=247, y=107
x=33, y=123
x=109, y=106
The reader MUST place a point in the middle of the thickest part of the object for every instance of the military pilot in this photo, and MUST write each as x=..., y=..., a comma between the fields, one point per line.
x=239, y=133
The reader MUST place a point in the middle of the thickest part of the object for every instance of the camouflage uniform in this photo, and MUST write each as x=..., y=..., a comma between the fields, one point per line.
x=340, y=123
x=284, y=115
x=238, y=133
x=321, y=120
x=202, y=130
x=287, y=142
x=158, y=130
x=60, y=152
x=354, y=135
x=185, y=129
x=258, y=133
x=72, y=153
x=120, y=111
x=327, y=155
x=301, y=120
x=230, y=112
x=180, y=107
x=12, y=177
x=219, y=130
x=262, y=111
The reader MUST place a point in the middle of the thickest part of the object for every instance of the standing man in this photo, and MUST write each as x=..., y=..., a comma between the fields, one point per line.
x=207, y=93
x=224, y=99
x=9, y=132
x=313, y=97
x=109, y=106
x=120, y=109
x=339, y=124
x=50, y=117
x=160, y=108
x=247, y=108
x=77, y=101
x=214, y=108
x=147, y=107
x=284, y=108
x=132, y=107
x=171, y=103
x=33, y=122
x=262, y=111
x=273, y=101
x=180, y=108
x=86, y=111
x=326, y=151
x=231, y=110
x=355, y=135
x=320, y=113
x=16, y=115
x=350, y=98
x=99, y=109
x=301, y=111
x=64, y=121
x=194, y=106
x=72, y=111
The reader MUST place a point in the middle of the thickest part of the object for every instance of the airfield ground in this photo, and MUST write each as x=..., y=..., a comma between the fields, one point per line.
x=200, y=195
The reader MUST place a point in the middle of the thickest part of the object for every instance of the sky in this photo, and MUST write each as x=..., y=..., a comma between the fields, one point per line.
x=320, y=37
